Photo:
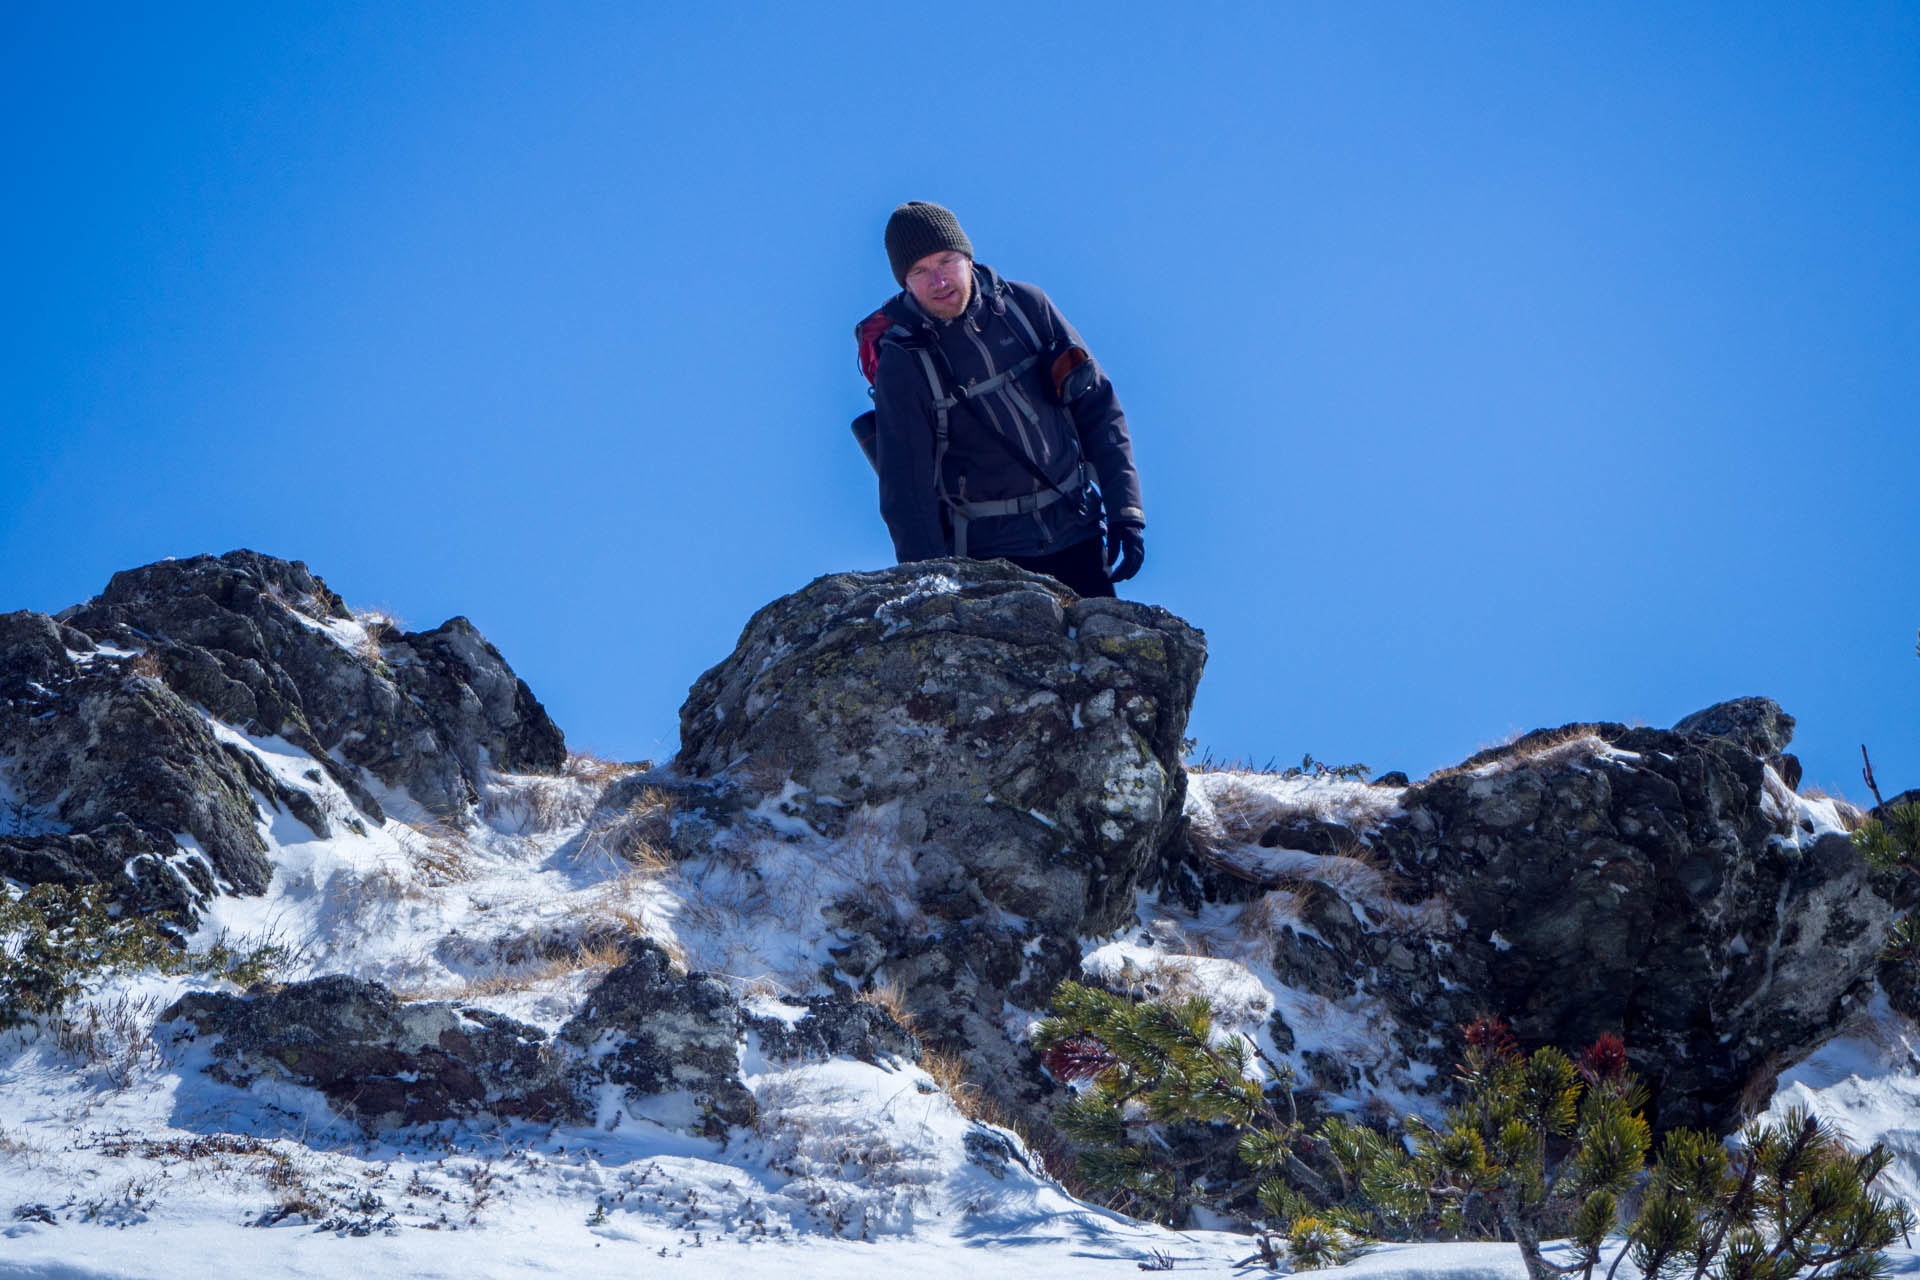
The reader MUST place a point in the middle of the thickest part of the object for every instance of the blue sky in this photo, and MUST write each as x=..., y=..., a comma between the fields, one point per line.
x=1489, y=366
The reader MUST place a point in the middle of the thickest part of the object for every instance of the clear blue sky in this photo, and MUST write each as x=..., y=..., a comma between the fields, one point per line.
x=1490, y=366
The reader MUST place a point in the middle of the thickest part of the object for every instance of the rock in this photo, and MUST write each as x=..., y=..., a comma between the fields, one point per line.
x=651, y=1031
x=1600, y=878
x=260, y=643
x=1757, y=725
x=380, y=1062
x=834, y=1027
x=93, y=740
x=106, y=741
x=1021, y=742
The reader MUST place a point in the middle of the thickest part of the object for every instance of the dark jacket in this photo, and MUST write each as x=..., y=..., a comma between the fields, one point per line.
x=977, y=468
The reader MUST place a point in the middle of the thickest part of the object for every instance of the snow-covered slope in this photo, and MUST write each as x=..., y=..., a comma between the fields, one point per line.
x=120, y=1157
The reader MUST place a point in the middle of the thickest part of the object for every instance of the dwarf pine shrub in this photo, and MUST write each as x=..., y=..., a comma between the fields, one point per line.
x=1890, y=842
x=57, y=941
x=1536, y=1147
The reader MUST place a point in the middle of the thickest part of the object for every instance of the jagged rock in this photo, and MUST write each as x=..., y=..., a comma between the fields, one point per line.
x=834, y=1027
x=142, y=866
x=1758, y=725
x=92, y=740
x=652, y=1031
x=380, y=1062
x=1604, y=878
x=644, y=1028
x=109, y=757
x=1022, y=742
x=256, y=641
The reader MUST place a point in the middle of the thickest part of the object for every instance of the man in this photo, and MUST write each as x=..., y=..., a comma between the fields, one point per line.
x=990, y=420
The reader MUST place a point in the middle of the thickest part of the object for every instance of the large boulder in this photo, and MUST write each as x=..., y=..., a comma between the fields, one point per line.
x=650, y=1031
x=1664, y=885
x=1020, y=743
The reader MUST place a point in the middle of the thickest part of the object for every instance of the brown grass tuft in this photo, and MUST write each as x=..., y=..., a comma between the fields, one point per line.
x=589, y=766
x=890, y=996
x=635, y=837
x=438, y=853
x=1540, y=748
x=949, y=1072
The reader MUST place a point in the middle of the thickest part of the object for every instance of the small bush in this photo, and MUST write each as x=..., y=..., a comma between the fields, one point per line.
x=1537, y=1147
x=57, y=942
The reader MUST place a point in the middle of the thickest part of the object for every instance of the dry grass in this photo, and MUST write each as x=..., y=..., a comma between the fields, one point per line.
x=1235, y=812
x=377, y=626
x=438, y=853
x=144, y=664
x=636, y=837
x=891, y=997
x=587, y=766
x=1270, y=915
x=1852, y=816
x=113, y=1034
x=1210, y=763
x=949, y=1072
x=536, y=963
x=1541, y=748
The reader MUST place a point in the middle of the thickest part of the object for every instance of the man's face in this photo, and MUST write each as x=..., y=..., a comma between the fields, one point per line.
x=942, y=283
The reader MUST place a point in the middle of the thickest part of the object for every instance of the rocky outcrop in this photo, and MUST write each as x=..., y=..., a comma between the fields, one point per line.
x=379, y=1062
x=261, y=644
x=651, y=1031
x=645, y=1030
x=109, y=748
x=1660, y=884
x=108, y=764
x=1020, y=743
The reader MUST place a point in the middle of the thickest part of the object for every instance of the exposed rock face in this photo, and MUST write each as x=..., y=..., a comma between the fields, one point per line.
x=247, y=637
x=108, y=763
x=381, y=1062
x=651, y=1031
x=109, y=757
x=1023, y=743
x=644, y=1028
x=1602, y=878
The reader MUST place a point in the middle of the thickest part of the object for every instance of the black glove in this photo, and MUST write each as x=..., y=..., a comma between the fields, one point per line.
x=1126, y=550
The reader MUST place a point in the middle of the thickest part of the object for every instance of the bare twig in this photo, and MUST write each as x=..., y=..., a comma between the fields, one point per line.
x=1866, y=771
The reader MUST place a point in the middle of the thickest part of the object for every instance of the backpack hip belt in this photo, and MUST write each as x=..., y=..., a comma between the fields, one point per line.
x=1029, y=503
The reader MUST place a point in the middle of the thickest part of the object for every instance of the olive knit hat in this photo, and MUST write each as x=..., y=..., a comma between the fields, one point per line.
x=918, y=228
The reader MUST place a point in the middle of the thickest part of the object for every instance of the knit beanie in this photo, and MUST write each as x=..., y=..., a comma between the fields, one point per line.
x=918, y=228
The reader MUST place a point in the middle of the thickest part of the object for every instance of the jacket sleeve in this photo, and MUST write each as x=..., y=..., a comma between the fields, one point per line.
x=903, y=452
x=1102, y=426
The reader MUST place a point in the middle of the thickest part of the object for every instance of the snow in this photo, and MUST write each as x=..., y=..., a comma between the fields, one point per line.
x=146, y=1167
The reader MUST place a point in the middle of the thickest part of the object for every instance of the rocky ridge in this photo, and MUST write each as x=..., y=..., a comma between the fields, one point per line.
x=1006, y=758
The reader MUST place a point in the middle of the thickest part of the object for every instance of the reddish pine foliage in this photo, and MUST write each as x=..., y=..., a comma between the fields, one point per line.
x=1491, y=1034
x=1079, y=1057
x=1605, y=1059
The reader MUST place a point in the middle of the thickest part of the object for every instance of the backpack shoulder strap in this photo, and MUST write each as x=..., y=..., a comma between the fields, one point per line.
x=1020, y=318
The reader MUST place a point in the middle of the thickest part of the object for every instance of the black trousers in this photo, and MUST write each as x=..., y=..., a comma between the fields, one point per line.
x=1082, y=566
